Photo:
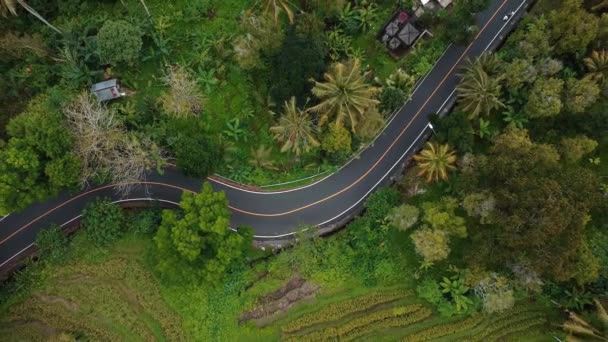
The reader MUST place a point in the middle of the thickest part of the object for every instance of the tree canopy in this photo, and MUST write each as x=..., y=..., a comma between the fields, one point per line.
x=196, y=244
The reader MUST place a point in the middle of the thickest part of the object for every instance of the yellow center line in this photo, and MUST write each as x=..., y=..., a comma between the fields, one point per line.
x=302, y=207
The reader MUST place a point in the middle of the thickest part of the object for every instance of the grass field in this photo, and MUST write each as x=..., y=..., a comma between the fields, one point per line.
x=112, y=294
x=101, y=297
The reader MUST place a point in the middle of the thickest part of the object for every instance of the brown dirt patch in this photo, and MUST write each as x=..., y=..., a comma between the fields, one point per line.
x=278, y=302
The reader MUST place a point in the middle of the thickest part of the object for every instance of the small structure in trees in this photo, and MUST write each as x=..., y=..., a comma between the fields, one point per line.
x=399, y=33
x=107, y=90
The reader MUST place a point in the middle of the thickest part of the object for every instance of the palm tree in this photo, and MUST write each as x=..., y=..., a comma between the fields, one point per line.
x=435, y=161
x=478, y=92
x=278, y=6
x=294, y=130
x=10, y=6
x=262, y=157
x=579, y=329
x=489, y=62
x=597, y=64
x=344, y=94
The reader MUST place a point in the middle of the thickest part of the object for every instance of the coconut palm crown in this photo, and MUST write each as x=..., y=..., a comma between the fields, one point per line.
x=344, y=95
x=435, y=161
x=478, y=93
x=295, y=130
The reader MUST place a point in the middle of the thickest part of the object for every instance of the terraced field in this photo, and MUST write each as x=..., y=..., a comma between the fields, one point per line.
x=114, y=300
x=396, y=315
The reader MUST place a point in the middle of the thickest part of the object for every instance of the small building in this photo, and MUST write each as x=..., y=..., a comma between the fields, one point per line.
x=399, y=33
x=107, y=90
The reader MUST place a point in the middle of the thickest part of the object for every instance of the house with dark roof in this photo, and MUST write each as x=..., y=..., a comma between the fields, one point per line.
x=399, y=34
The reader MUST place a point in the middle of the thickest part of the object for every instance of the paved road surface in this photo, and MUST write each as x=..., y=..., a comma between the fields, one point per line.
x=279, y=214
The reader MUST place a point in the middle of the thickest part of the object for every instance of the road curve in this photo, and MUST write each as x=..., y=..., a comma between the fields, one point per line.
x=280, y=213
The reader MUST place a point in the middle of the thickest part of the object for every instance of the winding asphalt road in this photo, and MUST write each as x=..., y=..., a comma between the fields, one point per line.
x=280, y=213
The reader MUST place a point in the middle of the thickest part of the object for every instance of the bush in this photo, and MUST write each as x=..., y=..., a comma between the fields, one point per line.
x=51, y=243
x=196, y=153
x=380, y=203
x=404, y=216
x=103, y=221
x=337, y=141
x=119, y=42
x=391, y=99
x=429, y=290
x=144, y=222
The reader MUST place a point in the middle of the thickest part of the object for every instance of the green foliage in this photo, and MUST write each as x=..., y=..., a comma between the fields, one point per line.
x=522, y=175
x=103, y=221
x=299, y=59
x=119, y=42
x=572, y=38
x=442, y=215
x=144, y=222
x=455, y=130
x=573, y=149
x=403, y=217
x=196, y=153
x=580, y=94
x=480, y=205
x=429, y=290
x=545, y=98
x=455, y=288
x=37, y=160
x=380, y=203
x=336, y=141
x=391, y=99
x=431, y=244
x=52, y=243
x=197, y=245
x=260, y=36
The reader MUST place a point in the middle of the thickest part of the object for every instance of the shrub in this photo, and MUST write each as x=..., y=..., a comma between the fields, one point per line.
x=429, y=290
x=144, y=222
x=52, y=243
x=196, y=153
x=183, y=98
x=380, y=203
x=391, y=99
x=103, y=221
x=337, y=141
x=431, y=244
x=119, y=42
x=404, y=216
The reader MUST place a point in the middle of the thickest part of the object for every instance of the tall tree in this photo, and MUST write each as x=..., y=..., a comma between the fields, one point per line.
x=196, y=244
x=478, y=93
x=569, y=38
x=10, y=6
x=435, y=161
x=37, y=160
x=106, y=149
x=580, y=94
x=540, y=208
x=295, y=130
x=345, y=94
x=545, y=98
